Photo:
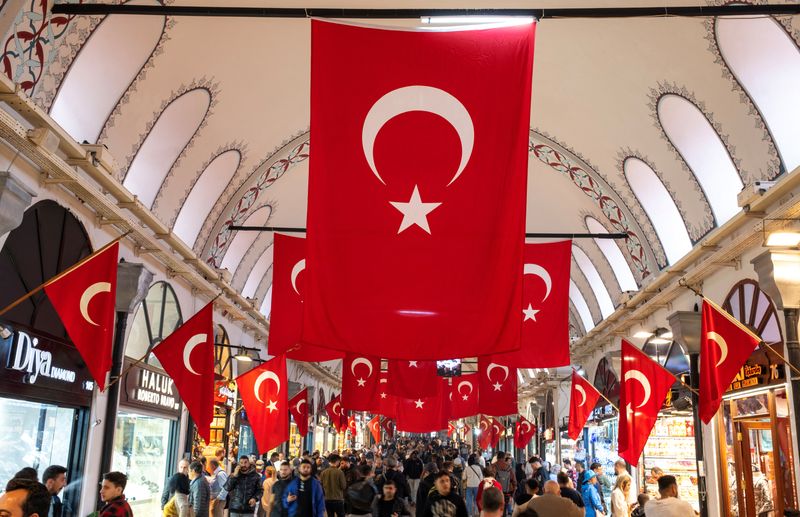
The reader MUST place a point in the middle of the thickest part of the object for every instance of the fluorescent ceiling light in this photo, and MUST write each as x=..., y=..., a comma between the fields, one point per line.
x=643, y=334
x=783, y=239
x=470, y=19
x=660, y=341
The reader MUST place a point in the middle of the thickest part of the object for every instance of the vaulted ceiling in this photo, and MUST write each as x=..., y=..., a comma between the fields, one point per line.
x=644, y=125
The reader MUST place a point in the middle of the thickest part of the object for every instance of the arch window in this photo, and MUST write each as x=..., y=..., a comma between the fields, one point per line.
x=257, y=273
x=660, y=208
x=204, y=194
x=170, y=134
x=701, y=147
x=613, y=255
x=222, y=354
x=577, y=299
x=766, y=62
x=157, y=317
x=243, y=240
x=595, y=281
x=266, y=305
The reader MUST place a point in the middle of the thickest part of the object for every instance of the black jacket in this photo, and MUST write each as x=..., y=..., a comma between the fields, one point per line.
x=242, y=488
x=399, y=506
x=178, y=482
x=412, y=468
x=399, y=478
x=425, y=486
x=444, y=506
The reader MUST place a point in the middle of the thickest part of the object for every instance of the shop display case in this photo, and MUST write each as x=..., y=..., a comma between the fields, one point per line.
x=671, y=448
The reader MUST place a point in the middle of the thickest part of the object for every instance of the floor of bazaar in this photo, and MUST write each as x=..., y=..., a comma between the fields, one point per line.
x=588, y=306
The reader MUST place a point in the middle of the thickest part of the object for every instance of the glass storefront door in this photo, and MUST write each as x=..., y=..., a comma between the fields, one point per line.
x=142, y=451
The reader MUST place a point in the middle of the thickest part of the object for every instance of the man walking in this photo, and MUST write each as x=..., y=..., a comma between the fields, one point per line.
x=412, y=468
x=334, y=484
x=244, y=488
x=55, y=478
x=303, y=496
x=551, y=504
x=668, y=505
x=275, y=507
x=216, y=485
x=387, y=504
x=442, y=502
x=504, y=473
x=199, y=492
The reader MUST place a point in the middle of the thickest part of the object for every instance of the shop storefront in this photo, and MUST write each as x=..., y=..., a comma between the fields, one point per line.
x=145, y=438
x=671, y=448
x=755, y=436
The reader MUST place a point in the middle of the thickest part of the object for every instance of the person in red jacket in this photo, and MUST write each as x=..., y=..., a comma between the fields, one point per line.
x=112, y=493
x=488, y=481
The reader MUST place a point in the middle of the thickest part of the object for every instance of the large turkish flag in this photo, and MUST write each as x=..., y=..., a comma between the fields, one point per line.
x=360, y=382
x=497, y=388
x=84, y=299
x=375, y=428
x=523, y=432
x=187, y=355
x=336, y=414
x=417, y=189
x=286, y=316
x=422, y=414
x=298, y=407
x=264, y=393
x=545, y=308
x=582, y=400
x=485, y=437
x=642, y=393
x=464, y=396
x=410, y=379
x=497, y=432
x=725, y=345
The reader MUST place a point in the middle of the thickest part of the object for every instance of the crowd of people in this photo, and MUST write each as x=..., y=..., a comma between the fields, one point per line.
x=420, y=478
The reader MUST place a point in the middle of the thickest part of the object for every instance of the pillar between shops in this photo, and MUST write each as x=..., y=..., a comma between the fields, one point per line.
x=14, y=199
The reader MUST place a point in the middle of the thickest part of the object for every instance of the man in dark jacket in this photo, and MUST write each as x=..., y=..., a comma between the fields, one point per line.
x=540, y=473
x=388, y=504
x=391, y=473
x=178, y=480
x=443, y=502
x=426, y=485
x=244, y=488
x=285, y=476
x=55, y=478
x=199, y=492
x=303, y=496
x=412, y=468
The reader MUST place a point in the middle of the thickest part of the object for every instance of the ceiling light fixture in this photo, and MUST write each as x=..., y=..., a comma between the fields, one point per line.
x=643, y=334
x=476, y=19
x=243, y=355
x=783, y=239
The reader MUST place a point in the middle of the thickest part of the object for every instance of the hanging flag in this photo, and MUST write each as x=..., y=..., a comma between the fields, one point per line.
x=409, y=132
x=336, y=414
x=465, y=430
x=412, y=379
x=523, y=432
x=387, y=403
x=725, y=345
x=375, y=428
x=351, y=425
x=464, y=396
x=187, y=355
x=582, y=401
x=497, y=432
x=644, y=388
x=263, y=391
x=422, y=414
x=485, y=437
x=84, y=299
x=388, y=425
x=450, y=429
x=545, y=308
x=360, y=382
x=497, y=388
x=286, y=316
x=298, y=407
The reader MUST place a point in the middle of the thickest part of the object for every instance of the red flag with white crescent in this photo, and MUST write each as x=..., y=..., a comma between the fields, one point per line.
x=523, y=433
x=497, y=388
x=298, y=407
x=485, y=425
x=450, y=429
x=360, y=382
x=582, y=401
x=465, y=430
x=545, y=308
x=725, y=345
x=388, y=425
x=375, y=428
x=187, y=355
x=497, y=432
x=351, y=425
x=409, y=132
x=463, y=396
x=336, y=413
x=263, y=391
x=412, y=379
x=84, y=299
x=643, y=390
x=286, y=315
x=387, y=403
x=422, y=414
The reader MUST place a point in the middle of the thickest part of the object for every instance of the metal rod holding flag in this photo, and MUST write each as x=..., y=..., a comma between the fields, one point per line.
x=61, y=274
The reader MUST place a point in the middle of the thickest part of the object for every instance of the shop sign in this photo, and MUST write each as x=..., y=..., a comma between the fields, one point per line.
x=44, y=365
x=223, y=394
x=149, y=388
x=761, y=369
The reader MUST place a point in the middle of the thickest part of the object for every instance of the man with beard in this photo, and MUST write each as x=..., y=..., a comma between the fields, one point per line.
x=244, y=488
x=303, y=496
x=275, y=507
x=334, y=484
x=442, y=501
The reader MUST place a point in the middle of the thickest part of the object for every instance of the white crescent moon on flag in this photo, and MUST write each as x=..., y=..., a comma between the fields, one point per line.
x=187, y=351
x=465, y=383
x=482, y=426
x=360, y=360
x=644, y=381
x=580, y=390
x=335, y=405
x=536, y=269
x=721, y=343
x=495, y=428
x=261, y=378
x=299, y=404
x=90, y=292
x=492, y=366
x=418, y=98
x=527, y=424
x=296, y=270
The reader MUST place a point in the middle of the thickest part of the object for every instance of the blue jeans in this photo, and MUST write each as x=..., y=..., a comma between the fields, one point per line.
x=470, y=495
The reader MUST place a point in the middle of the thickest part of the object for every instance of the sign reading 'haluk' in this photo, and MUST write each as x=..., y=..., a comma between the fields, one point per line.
x=151, y=389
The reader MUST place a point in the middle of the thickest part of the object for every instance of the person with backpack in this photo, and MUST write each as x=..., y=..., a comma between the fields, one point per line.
x=361, y=493
x=505, y=476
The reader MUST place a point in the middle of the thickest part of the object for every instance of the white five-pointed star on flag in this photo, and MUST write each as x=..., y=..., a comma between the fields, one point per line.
x=530, y=313
x=412, y=364
x=497, y=386
x=465, y=397
x=419, y=403
x=383, y=395
x=361, y=382
x=415, y=212
x=272, y=406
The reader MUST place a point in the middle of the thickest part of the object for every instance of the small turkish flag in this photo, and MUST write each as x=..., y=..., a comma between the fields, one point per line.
x=388, y=426
x=412, y=379
x=725, y=345
x=387, y=403
x=84, y=299
x=360, y=382
x=645, y=385
x=187, y=355
x=401, y=118
x=523, y=433
x=498, y=388
x=375, y=428
x=464, y=396
x=298, y=407
x=485, y=425
x=450, y=429
x=286, y=316
x=582, y=402
x=351, y=425
x=465, y=430
x=336, y=413
x=545, y=308
x=422, y=414
x=497, y=432
x=264, y=394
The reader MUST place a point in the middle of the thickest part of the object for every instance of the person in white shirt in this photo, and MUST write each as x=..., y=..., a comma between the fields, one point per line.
x=669, y=505
x=619, y=497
